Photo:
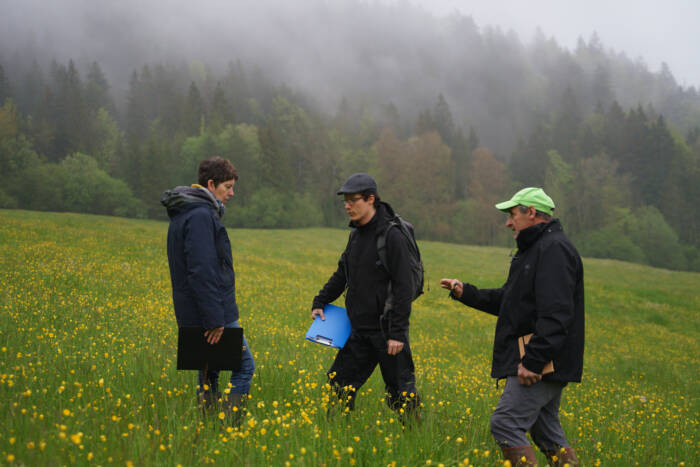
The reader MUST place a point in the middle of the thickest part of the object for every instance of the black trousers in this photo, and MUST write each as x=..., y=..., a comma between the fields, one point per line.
x=356, y=361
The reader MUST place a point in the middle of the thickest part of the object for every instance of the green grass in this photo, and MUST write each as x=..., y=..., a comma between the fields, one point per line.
x=87, y=357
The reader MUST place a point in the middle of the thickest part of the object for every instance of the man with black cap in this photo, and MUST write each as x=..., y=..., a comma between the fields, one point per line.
x=542, y=300
x=376, y=337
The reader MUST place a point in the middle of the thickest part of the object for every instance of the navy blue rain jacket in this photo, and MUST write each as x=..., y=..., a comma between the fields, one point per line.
x=199, y=254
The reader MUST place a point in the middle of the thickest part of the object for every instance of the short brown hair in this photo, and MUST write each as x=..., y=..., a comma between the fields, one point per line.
x=217, y=169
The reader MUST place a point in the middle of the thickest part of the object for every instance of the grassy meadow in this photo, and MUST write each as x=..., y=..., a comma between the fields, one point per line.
x=88, y=338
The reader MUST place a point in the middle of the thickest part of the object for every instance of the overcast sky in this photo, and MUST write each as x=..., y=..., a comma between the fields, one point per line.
x=653, y=30
x=657, y=31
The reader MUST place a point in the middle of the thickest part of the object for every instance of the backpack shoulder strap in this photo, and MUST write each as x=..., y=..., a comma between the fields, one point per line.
x=381, y=243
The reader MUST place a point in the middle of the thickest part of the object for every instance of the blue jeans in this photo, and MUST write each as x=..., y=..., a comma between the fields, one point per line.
x=240, y=380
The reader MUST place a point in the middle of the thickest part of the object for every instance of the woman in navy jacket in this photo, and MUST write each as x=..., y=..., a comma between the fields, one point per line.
x=202, y=275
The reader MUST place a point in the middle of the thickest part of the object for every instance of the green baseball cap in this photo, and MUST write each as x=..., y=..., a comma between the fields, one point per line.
x=535, y=197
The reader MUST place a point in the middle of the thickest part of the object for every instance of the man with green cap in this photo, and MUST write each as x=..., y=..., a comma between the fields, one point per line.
x=540, y=325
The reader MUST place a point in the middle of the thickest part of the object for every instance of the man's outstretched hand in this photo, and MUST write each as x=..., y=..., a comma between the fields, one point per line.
x=454, y=285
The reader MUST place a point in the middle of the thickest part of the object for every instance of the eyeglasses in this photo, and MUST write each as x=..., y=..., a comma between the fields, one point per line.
x=351, y=201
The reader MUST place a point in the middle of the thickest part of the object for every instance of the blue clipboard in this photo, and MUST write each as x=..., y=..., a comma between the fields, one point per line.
x=334, y=331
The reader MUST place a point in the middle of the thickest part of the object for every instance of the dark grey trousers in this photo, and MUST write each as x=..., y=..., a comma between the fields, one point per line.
x=529, y=408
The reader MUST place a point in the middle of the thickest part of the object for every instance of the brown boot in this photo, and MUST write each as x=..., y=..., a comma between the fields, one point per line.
x=208, y=401
x=561, y=458
x=520, y=456
x=234, y=406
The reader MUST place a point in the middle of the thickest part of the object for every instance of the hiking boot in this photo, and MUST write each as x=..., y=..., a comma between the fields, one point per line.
x=520, y=456
x=562, y=457
x=234, y=406
x=411, y=416
x=208, y=401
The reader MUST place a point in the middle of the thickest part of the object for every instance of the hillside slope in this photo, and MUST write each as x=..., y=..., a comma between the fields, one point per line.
x=87, y=364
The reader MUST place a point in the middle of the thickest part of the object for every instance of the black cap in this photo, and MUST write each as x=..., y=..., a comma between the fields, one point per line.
x=357, y=183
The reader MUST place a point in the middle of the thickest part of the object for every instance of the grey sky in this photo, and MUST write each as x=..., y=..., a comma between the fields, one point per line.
x=649, y=29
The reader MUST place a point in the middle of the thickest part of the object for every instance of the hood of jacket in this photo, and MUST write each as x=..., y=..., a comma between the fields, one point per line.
x=184, y=198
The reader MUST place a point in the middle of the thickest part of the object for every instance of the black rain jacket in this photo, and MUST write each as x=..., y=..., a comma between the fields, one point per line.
x=199, y=254
x=367, y=280
x=542, y=295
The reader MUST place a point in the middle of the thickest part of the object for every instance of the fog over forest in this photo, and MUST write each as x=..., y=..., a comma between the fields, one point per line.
x=366, y=51
x=116, y=101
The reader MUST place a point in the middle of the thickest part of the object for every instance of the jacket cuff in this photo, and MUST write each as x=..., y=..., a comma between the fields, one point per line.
x=213, y=317
x=398, y=336
x=464, y=294
x=211, y=325
x=536, y=366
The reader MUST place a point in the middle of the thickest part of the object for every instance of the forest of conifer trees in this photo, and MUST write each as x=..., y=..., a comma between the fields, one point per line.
x=616, y=146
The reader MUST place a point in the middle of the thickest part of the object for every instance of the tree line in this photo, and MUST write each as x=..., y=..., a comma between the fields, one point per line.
x=625, y=180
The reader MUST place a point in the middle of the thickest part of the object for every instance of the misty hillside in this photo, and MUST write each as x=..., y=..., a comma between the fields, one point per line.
x=104, y=105
x=376, y=54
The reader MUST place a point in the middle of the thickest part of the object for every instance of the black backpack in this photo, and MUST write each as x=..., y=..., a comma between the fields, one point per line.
x=416, y=263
